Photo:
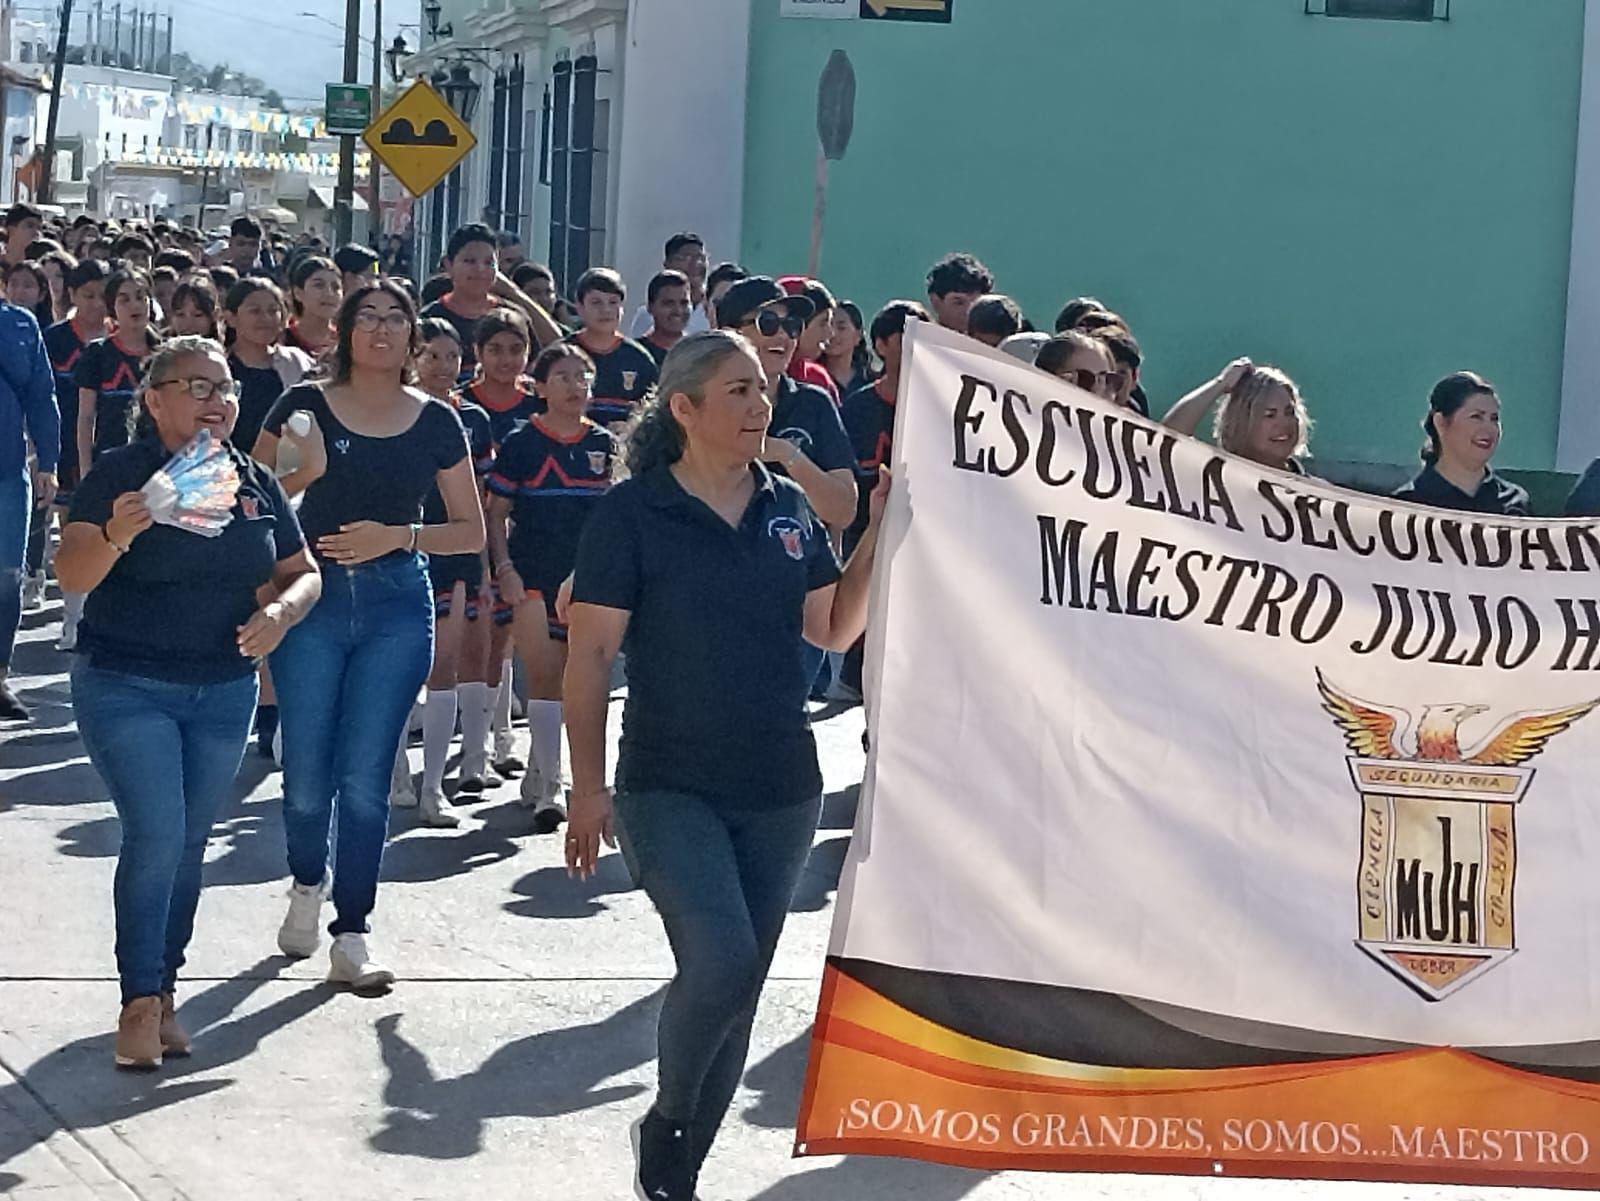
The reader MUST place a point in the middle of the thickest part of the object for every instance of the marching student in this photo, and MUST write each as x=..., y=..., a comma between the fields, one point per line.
x=1083, y=361
x=546, y=480
x=372, y=450
x=28, y=287
x=718, y=787
x=477, y=288
x=848, y=356
x=315, y=292
x=955, y=282
x=667, y=300
x=194, y=309
x=1262, y=416
x=624, y=372
x=684, y=253
x=805, y=365
x=500, y=351
x=868, y=411
x=994, y=318
x=1463, y=432
x=263, y=366
x=110, y=368
x=460, y=606
x=164, y=705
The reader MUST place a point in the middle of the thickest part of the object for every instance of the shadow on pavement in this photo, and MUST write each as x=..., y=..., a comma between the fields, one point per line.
x=546, y=1074
x=861, y=1176
x=83, y=1091
x=550, y=892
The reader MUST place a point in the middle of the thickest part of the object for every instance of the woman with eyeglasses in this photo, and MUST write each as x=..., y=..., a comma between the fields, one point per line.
x=1262, y=416
x=164, y=705
x=1084, y=362
x=372, y=447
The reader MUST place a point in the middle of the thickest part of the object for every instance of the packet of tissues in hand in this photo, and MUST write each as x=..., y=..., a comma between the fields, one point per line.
x=195, y=491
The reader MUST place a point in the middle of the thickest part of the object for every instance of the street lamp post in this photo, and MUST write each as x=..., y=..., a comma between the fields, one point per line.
x=345, y=197
x=374, y=184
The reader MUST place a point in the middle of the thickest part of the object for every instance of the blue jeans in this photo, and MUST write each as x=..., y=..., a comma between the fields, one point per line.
x=722, y=881
x=16, y=511
x=168, y=753
x=346, y=678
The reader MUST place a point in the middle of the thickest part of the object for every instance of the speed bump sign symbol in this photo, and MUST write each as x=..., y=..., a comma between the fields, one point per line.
x=419, y=138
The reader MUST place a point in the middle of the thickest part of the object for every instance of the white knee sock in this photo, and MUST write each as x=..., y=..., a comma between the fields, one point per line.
x=502, y=699
x=71, y=610
x=473, y=705
x=544, y=723
x=438, y=727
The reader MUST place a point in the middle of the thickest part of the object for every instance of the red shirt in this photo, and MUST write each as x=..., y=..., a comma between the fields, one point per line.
x=807, y=372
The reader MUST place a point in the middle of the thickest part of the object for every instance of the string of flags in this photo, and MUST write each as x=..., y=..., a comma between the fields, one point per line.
x=308, y=163
x=155, y=105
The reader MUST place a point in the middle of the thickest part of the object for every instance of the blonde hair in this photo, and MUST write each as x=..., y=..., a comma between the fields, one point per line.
x=1240, y=408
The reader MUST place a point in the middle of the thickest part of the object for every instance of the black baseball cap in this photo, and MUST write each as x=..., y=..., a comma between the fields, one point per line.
x=355, y=259
x=742, y=300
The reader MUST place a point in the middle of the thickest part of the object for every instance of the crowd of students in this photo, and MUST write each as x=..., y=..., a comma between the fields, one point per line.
x=449, y=487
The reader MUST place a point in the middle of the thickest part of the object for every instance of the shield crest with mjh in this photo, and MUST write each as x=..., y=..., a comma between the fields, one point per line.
x=1438, y=868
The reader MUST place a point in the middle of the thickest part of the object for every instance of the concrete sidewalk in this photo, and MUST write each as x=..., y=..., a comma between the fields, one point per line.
x=507, y=1063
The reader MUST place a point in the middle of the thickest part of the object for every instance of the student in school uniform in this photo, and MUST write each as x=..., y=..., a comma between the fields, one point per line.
x=624, y=372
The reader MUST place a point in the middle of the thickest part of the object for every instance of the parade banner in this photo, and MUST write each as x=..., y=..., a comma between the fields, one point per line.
x=1216, y=820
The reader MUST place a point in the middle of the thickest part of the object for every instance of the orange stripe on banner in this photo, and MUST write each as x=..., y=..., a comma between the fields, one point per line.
x=883, y=1081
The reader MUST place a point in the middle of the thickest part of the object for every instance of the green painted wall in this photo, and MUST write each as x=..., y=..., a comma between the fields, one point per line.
x=1369, y=204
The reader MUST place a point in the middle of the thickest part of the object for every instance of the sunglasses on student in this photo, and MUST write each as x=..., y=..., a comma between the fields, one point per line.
x=770, y=321
x=204, y=389
x=1090, y=381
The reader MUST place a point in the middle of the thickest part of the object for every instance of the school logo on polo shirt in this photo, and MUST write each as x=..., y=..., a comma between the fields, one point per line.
x=249, y=506
x=801, y=438
x=1435, y=890
x=628, y=378
x=791, y=534
x=597, y=461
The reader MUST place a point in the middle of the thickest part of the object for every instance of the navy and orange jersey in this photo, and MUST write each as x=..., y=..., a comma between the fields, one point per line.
x=503, y=418
x=553, y=483
x=65, y=346
x=623, y=377
x=480, y=448
x=868, y=415
x=292, y=337
x=112, y=373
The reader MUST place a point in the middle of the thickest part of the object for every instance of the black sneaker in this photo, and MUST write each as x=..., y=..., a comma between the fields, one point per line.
x=11, y=708
x=661, y=1154
x=266, y=729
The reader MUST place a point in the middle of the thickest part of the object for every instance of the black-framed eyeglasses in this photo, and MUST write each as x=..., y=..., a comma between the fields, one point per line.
x=395, y=321
x=201, y=388
x=770, y=321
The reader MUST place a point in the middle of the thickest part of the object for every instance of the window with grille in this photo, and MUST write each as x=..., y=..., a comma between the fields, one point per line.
x=1383, y=10
x=577, y=131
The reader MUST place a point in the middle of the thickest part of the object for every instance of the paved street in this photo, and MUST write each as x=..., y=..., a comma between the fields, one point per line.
x=508, y=1062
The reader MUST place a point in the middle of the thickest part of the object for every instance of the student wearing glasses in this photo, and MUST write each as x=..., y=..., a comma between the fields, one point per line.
x=372, y=448
x=164, y=706
x=1083, y=361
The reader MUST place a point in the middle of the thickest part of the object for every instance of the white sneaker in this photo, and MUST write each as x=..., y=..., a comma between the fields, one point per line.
x=401, y=793
x=33, y=593
x=302, y=925
x=532, y=792
x=476, y=776
x=433, y=812
x=350, y=963
x=506, y=760
x=69, y=638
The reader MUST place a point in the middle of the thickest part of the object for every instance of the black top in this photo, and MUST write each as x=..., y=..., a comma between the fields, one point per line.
x=113, y=375
x=464, y=327
x=503, y=418
x=371, y=479
x=170, y=609
x=622, y=379
x=806, y=416
x=869, y=421
x=480, y=445
x=65, y=347
x=656, y=351
x=716, y=689
x=1494, y=495
x=259, y=388
x=553, y=484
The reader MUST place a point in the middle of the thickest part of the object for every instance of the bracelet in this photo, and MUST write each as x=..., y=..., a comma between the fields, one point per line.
x=589, y=792
x=105, y=532
x=416, y=532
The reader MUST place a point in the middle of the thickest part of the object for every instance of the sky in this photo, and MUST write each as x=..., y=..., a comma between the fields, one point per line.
x=295, y=54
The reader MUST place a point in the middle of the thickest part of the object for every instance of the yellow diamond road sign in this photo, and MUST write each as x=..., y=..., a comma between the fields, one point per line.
x=419, y=138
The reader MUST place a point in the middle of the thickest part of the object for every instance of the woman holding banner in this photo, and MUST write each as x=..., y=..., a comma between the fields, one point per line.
x=718, y=786
x=1463, y=429
x=1262, y=416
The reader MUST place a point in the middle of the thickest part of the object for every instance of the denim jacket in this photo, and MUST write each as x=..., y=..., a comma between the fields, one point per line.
x=28, y=409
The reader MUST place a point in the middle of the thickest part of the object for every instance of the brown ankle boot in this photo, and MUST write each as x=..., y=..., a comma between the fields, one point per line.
x=139, y=1034
x=174, y=1041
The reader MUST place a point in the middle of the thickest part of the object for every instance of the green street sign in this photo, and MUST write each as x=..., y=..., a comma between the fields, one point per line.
x=349, y=108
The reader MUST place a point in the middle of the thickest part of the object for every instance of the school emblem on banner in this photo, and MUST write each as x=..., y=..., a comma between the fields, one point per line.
x=1436, y=885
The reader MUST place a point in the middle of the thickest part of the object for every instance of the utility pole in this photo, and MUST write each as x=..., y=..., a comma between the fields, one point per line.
x=344, y=203
x=205, y=179
x=374, y=183
x=99, y=33
x=116, y=34
x=47, y=183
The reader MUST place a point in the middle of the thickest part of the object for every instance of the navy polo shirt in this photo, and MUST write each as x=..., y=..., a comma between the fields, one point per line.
x=716, y=688
x=1494, y=495
x=804, y=415
x=170, y=609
